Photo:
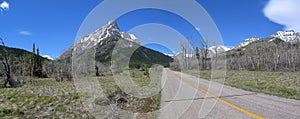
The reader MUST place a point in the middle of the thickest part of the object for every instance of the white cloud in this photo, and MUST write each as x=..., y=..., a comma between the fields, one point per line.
x=284, y=12
x=4, y=5
x=48, y=57
x=26, y=33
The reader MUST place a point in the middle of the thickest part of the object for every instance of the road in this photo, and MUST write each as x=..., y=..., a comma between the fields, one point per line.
x=188, y=97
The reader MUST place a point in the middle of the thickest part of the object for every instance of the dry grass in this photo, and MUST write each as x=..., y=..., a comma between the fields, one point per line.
x=42, y=100
x=46, y=98
x=132, y=103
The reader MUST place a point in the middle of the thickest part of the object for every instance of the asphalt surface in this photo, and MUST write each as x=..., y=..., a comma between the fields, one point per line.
x=188, y=97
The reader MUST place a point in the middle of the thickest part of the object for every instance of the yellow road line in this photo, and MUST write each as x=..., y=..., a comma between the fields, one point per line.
x=223, y=101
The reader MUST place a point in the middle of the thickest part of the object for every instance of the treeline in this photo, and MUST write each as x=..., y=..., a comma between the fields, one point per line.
x=266, y=55
x=194, y=57
x=18, y=65
x=23, y=63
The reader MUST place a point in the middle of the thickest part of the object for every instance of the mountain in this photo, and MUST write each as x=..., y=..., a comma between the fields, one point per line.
x=23, y=62
x=111, y=29
x=218, y=49
x=48, y=57
x=18, y=53
x=289, y=36
x=130, y=37
x=104, y=41
x=211, y=51
x=266, y=54
x=246, y=42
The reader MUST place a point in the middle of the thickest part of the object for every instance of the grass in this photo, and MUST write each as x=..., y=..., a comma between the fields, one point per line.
x=46, y=98
x=132, y=103
x=282, y=84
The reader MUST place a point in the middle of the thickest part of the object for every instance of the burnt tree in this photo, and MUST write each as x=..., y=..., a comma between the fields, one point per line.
x=5, y=62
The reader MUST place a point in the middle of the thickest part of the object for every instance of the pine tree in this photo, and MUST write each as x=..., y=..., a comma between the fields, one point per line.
x=33, y=48
x=36, y=63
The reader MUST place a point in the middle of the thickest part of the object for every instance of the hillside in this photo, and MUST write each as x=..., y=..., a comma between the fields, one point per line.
x=266, y=54
x=18, y=53
x=104, y=41
x=140, y=55
x=20, y=61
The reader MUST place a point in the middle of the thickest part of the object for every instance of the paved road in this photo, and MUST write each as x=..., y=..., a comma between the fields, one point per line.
x=188, y=97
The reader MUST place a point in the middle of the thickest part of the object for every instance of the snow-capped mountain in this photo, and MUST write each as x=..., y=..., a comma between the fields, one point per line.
x=287, y=36
x=108, y=30
x=218, y=49
x=246, y=42
x=213, y=50
x=103, y=42
x=48, y=57
x=130, y=37
x=182, y=55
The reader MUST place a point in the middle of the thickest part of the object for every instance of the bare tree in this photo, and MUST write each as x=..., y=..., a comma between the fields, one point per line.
x=204, y=53
x=265, y=55
x=183, y=44
x=197, y=54
x=4, y=60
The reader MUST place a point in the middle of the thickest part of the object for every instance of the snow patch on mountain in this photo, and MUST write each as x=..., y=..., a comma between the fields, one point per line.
x=111, y=29
x=130, y=37
x=287, y=36
x=170, y=55
x=48, y=57
x=246, y=42
x=218, y=49
x=213, y=50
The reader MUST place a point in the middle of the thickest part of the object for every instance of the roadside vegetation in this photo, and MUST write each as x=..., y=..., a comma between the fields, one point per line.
x=43, y=98
x=282, y=84
x=129, y=102
x=48, y=98
x=269, y=66
x=36, y=87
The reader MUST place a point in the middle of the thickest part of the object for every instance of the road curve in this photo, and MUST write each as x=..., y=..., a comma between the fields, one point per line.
x=188, y=97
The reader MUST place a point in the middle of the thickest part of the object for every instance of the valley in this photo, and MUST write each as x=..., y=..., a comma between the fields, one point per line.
x=109, y=74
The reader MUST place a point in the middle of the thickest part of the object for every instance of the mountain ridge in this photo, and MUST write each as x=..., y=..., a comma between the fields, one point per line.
x=287, y=36
x=105, y=39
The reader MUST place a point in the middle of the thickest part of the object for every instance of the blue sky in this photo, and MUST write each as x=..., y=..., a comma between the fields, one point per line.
x=53, y=24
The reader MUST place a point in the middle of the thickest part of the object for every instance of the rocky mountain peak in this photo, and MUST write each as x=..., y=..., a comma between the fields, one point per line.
x=110, y=29
x=287, y=36
x=246, y=42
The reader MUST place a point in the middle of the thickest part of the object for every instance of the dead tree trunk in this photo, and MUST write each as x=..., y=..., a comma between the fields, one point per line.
x=204, y=52
x=4, y=59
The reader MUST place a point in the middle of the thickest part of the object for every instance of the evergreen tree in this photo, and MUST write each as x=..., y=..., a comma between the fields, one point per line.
x=36, y=64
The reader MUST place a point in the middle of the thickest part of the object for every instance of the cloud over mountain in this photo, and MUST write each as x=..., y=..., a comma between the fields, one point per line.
x=284, y=12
